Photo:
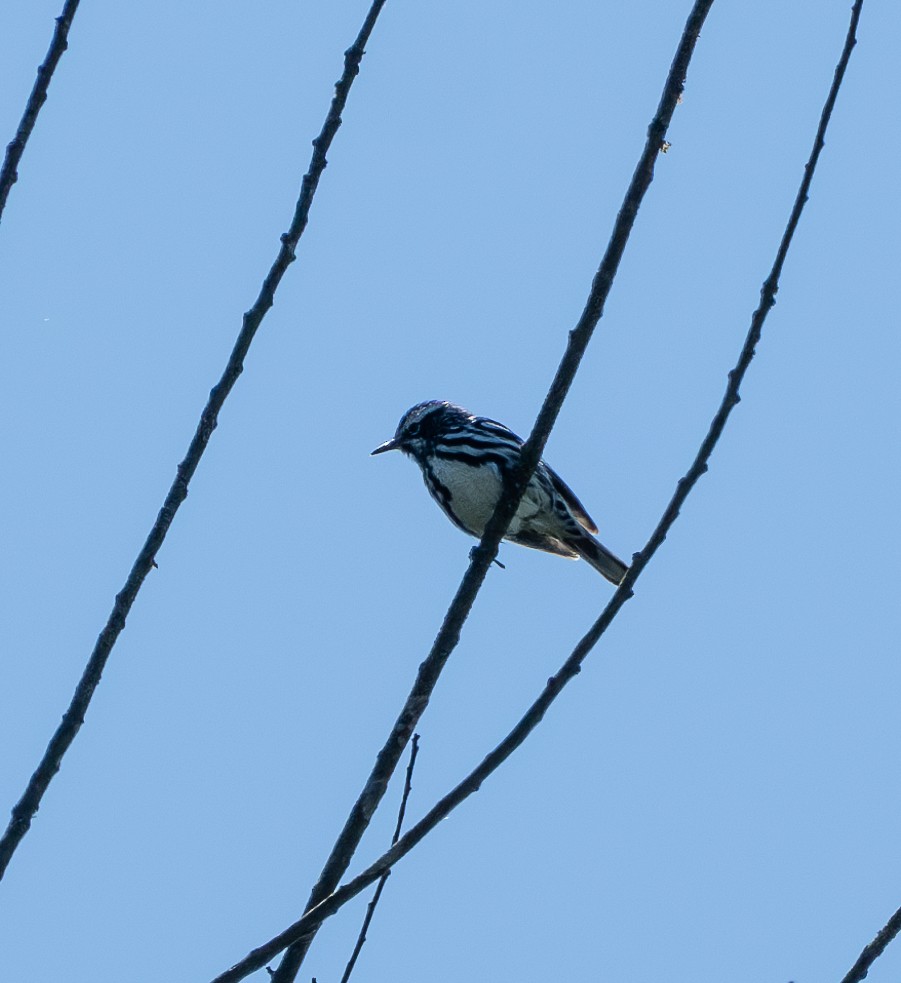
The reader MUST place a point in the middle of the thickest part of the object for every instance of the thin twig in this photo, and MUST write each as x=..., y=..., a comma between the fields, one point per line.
x=9, y=171
x=27, y=806
x=484, y=553
x=370, y=908
x=307, y=925
x=408, y=788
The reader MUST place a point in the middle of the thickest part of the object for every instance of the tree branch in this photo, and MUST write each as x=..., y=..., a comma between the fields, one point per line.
x=305, y=927
x=370, y=908
x=873, y=950
x=25, y=809
x=14, y=150
x=482, y=556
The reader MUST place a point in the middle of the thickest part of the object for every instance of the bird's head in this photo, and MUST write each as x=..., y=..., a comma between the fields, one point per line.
x=424, y=424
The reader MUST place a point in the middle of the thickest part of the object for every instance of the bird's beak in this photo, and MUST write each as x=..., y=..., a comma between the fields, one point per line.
x=389, y=445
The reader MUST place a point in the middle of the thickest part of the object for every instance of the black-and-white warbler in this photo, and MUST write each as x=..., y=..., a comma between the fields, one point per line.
x=463, y=460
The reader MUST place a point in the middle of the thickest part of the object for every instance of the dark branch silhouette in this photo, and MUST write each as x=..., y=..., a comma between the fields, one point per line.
x=28, y=805
x=486, y=551
x=305, y=927
x=9, y=173
x=370, y=908
x=873, y=950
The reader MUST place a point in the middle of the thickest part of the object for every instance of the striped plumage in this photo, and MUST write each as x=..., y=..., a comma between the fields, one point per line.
x=463, y=459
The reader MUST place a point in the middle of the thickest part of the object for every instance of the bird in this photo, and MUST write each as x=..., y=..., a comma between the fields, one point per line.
x=464, y=459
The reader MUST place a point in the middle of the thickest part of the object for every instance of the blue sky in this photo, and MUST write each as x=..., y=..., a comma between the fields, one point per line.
x=715, y=797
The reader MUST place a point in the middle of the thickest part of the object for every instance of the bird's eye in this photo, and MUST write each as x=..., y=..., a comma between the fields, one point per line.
x=413, y=430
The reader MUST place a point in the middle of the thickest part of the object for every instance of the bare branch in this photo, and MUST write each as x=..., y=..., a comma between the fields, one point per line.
x=873, y=950
x=305, y=927
x=28, y=805
x=486, y=551
x=370, y=908
x=14, y=150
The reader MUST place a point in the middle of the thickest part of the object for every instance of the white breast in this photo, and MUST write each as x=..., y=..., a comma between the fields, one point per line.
x=474, y=492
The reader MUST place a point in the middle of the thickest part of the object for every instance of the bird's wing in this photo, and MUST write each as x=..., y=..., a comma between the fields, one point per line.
x=560, y=486
x=569, y=496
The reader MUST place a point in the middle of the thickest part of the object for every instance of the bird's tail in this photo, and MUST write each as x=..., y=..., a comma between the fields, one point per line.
x=612, y=567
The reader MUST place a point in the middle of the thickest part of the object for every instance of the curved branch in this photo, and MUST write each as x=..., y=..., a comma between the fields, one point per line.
x=14, y=150
x=302, y=931
x=25, y=809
